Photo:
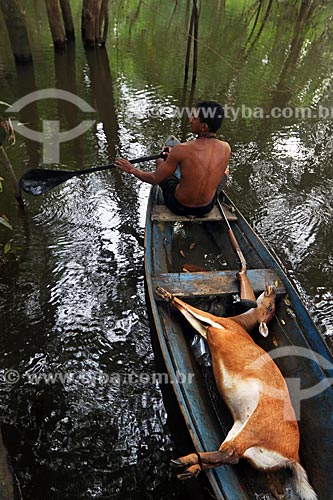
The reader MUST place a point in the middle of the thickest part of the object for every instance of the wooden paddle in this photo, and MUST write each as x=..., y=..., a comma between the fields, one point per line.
x=38, y=181
x=247, y=297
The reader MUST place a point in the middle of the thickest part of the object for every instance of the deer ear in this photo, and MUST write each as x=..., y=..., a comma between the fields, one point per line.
x=263, y=329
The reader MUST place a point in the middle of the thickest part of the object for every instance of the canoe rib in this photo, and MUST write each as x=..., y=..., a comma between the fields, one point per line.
x=160, y=213
x=215, y=282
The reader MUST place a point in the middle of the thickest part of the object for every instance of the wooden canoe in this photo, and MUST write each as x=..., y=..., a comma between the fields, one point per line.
x=173, y=243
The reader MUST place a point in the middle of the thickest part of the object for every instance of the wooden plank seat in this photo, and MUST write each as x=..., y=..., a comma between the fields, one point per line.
x=202, y=284
x=161, y=213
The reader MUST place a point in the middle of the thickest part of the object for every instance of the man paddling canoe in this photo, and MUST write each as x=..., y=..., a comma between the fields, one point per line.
x=203, y=164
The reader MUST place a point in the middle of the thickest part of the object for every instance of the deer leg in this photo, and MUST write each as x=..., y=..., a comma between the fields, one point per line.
x=194, y=463
x=200, y=320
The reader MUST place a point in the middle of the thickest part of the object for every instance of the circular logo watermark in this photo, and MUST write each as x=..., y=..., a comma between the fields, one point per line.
x=51, y=137
x=294, y=383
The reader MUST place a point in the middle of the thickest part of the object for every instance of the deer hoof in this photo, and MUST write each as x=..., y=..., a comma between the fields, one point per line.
x=163, y=294
x=184, y=476
x=189, y=473
x=177, y=463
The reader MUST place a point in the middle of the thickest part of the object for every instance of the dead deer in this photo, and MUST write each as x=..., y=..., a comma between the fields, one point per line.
x=265, y=430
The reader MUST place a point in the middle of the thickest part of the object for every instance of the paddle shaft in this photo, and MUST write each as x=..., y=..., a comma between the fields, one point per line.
x=246, y=291
x=38, y=181
x=111, y=165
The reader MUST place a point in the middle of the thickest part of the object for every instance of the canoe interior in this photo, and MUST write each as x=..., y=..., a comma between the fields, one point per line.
x=168, y=246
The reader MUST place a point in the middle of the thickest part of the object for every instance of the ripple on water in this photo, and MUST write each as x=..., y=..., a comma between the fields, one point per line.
x=323, y=312
x=298, y=226
x=291, y=224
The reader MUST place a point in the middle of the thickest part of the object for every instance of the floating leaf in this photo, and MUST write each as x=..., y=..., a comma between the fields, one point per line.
x=5, y=222
x=275, y=342
x=287, y=301
x=192, y=245
x=192, y=268
x=7, y=248
x=182, y=253
x=291, y=312
x=283, y=322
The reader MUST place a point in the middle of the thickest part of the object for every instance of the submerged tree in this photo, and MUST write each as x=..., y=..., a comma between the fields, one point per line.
x=56, y=23
x=95, y=22
x=15, y=20
x=61, y=22
x=193, y=34
x=68, y=19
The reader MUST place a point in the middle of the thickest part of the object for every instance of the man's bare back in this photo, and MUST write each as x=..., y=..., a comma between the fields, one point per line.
x=202, y=162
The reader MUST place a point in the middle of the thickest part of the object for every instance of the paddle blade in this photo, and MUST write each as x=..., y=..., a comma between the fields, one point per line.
x=38, y=181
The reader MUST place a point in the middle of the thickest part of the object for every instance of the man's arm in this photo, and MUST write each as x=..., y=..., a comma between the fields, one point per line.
x=163, y=170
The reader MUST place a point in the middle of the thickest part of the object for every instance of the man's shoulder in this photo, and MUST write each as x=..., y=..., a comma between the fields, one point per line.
x=183, y=147
x=224, y=145
x=179, y=149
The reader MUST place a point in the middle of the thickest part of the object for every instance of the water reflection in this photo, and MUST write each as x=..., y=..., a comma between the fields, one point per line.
x=102, y=91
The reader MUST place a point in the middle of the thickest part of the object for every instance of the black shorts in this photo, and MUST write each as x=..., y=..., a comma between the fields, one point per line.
x=168, y=187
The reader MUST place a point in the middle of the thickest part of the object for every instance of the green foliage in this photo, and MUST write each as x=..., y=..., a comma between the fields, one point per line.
x=5, y=222
x=8, y=255
x=7, y=133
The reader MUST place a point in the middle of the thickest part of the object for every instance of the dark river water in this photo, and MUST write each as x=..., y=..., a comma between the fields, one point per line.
x=72, y=289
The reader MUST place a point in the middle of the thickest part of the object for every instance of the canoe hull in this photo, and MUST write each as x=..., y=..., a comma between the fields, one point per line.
x=167, y=245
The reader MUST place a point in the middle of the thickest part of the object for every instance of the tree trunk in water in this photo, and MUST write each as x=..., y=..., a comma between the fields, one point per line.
x=91, y=17
x=88, y=23
x=102, y=88
x=104, y=22
x=188, y=48
x=56, y=24
x=195, y=40
x=26, y=83
x=98, y=5
x=68, y=19
x=14, y=16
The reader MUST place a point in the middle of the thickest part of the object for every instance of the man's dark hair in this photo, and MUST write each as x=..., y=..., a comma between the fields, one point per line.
x=211, y=113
